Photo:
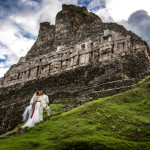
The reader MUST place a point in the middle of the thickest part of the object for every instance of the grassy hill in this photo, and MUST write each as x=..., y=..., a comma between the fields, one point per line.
x=117, y=122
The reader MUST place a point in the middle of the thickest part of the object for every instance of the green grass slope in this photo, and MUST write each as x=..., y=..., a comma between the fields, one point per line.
x=117, y=122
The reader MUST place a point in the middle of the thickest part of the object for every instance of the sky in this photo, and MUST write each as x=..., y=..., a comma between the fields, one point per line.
x=19, y=21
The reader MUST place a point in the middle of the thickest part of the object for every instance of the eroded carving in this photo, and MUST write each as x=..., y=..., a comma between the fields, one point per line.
x=107, y=46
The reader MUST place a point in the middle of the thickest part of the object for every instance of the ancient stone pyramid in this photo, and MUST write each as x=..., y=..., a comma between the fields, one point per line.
x=79, y=58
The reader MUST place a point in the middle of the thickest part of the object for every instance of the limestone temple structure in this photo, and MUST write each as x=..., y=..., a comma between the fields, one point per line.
x=79, y=58
x=53, y=53
x=108, y=45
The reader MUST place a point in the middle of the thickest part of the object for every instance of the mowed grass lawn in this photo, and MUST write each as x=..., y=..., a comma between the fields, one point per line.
x=118, y=122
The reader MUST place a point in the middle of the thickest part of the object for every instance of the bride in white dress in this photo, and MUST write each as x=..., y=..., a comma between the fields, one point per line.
x=32, y=115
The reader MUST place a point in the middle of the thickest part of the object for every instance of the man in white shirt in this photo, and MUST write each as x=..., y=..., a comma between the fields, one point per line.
x=44, y=104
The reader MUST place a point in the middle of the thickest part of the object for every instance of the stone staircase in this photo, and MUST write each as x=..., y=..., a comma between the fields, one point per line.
x=92, y=92
x=106, y=89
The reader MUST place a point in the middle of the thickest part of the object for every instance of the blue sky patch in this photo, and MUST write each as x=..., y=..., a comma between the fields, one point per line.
x=5, y=59
x=24, y=33
x=89, y=4
x=84, y=2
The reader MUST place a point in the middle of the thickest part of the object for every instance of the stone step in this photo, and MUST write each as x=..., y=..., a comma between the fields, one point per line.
x=108, y=85
x=114, y=84
x=95, y=87
x=101, y=94
x=110, y=92
x=102, y=90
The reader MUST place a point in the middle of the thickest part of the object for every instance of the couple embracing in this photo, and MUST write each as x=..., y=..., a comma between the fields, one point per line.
x=34, y=113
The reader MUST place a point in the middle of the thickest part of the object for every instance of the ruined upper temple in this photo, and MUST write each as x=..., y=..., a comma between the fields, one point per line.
x=77, y=39
x=80, y=58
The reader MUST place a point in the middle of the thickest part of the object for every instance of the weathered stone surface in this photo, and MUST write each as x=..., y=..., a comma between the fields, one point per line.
x=79, y=58
x=134, y=60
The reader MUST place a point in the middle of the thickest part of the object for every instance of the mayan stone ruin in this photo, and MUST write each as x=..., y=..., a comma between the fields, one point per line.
x=80, y=58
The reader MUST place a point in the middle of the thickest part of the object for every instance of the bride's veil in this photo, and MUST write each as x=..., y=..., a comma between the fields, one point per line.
x=28, y=111
x=32, y=99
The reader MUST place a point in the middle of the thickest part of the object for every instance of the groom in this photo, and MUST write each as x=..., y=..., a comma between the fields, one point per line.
x=44, y=104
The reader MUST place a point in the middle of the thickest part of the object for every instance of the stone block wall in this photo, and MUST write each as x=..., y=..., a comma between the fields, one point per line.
x=110, y=45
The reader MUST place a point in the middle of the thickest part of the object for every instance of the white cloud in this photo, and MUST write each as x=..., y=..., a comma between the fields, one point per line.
x=17, y=45
x=74, y=2
x=122, y=9
x=3, y=71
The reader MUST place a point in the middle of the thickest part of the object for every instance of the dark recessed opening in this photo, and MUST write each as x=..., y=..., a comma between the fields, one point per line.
x=83, y=46
x=112, y=49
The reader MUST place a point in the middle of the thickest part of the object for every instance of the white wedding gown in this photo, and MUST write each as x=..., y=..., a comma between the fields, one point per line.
x=35, y=116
